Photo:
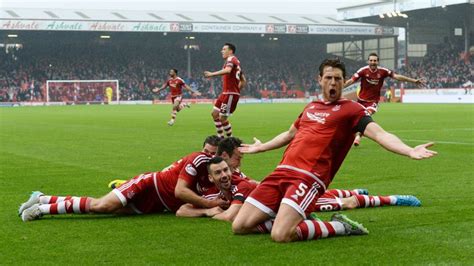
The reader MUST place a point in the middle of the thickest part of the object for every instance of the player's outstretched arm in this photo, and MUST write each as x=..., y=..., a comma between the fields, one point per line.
x=229, y=214
x=277, y=142
x=420, y=82
x=221, y=72
x=197, y=93
x=394, y=144
x=156, y=89
x=348, y=83
x=187, y=210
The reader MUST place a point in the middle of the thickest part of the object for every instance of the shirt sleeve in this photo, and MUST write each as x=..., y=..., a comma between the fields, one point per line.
x=243, y=191
x=188, y=173
x=298, y=120
x=361, y=119
x=357, y=75
x=230, y=62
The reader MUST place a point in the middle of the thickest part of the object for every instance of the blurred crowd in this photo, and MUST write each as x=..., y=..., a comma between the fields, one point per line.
x=272, y=69
x=445, y=66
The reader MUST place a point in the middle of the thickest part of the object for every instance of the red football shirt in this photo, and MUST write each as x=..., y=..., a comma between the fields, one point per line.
x=324, y=137
x=231, y=81
x=192, y=168
x=371, y=82
x=241, y=188
x=176, y=86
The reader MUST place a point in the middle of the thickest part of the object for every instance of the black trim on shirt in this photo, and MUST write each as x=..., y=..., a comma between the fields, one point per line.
x=363, y=122
x=239, y=198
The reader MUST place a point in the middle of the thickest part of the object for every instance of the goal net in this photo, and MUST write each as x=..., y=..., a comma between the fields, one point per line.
x=82, y=91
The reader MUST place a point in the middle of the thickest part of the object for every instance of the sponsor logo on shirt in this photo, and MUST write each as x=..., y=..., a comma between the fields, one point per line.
x=318, y=117
x=373, y=81
x=336, y=108
x=191, y=170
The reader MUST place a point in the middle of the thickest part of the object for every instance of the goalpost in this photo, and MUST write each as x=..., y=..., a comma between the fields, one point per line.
x=82, y=91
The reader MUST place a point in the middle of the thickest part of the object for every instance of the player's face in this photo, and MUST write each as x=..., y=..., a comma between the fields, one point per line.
x=221, y=175
x=226, y=52
x=172, y=73
x=373, y=62
x=331, y=83
x=234, y=160
x=209, y=149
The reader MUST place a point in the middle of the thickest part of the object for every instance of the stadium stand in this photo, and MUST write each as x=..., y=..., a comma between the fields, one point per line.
x=273, y=69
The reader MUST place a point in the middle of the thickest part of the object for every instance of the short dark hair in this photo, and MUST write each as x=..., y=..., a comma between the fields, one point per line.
x=175, y=70
x=373, y=54
x=211, y=140
x=231, y=46
x=332, y=62
x=214, y=160
x=228, y=145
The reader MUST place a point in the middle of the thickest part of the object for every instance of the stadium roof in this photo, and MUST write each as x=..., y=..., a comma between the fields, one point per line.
x=167, y=21
x=162, y=16
x=379, y=7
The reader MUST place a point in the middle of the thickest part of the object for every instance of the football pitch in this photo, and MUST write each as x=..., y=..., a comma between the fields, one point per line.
x=77, y=150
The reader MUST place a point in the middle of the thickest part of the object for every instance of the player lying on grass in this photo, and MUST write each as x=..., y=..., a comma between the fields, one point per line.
x=221, y=174
x=317, y=144
x=182, y=182
x=228, y=149
x=235, y=187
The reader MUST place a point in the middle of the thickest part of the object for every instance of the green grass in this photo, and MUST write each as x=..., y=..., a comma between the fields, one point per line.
x=77, y=150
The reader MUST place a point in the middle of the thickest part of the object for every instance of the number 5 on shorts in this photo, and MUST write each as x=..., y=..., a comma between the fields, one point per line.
x=300, y=191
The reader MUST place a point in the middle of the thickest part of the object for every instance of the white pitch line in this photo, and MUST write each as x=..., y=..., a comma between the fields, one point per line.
x=428, y=130
x=441, y=141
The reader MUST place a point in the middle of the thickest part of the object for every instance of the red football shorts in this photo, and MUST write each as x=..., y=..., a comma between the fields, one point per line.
x=328, y=202
x=226, y=104
x=285, y=186
x=139, y=193
x=372, y=107
x=177, y=99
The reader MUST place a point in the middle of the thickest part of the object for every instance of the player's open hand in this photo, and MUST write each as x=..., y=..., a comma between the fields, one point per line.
x=421, y=152
x=421, y=82
x=196, y=93
x=155, y=90
x=207, y=74
x=251, y=148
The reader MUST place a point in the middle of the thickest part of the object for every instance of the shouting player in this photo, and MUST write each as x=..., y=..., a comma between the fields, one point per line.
x=318, y=141
x=182, y=182
x=371, y=81
x=176, y=85
x=232, y=82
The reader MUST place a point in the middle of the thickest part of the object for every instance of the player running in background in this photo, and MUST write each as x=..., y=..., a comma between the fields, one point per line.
x=318, y=141
x=176, y=85
x=108, y=94
x=182, y=182
x=232, y=82
x=371, y=81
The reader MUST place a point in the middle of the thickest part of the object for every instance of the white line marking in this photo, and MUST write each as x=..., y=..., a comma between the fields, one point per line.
x=427, y=130
x=441, y=141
